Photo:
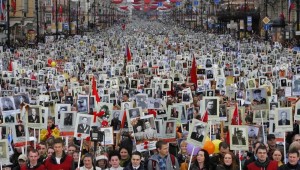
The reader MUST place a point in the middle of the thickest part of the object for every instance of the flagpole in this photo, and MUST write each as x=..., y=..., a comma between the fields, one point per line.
x=240, y=161
x=8, y=23
x=263, y=127
x=190, y=162
x=81, y=143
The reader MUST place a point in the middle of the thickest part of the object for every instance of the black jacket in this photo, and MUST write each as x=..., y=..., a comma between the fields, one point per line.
x=289, y=167
x=129, y=167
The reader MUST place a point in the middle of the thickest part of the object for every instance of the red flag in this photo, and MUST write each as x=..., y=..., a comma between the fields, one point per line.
x=194, y=73
x=291, y=7
x=236, y=120
x=128, y=53
x=10, y=66
x=123, y=120
x=14, y=6
x=94, y=90
x=205, y=117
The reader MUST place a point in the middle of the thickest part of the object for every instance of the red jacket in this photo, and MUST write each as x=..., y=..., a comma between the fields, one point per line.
x=273, y=165
x=38, y=167
x=65, y=163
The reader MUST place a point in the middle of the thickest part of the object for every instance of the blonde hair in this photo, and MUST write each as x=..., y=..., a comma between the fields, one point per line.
x=184, y=142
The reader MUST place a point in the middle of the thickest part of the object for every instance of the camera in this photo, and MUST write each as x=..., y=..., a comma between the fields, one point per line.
x=96, y=135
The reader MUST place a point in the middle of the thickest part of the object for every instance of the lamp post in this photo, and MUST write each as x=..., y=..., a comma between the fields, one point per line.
x=56, y=21
x=266, y=13
x=298, y=27
x=69, y=17
x=8, y=23
x=37, y=21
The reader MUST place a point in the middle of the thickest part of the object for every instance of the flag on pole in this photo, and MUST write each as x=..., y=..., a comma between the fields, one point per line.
x=128, y=53
x=194, y=73
x=236, y=120
x=94, y=90
x=205, y=117
x=14, y=6
x=53, y=10
x=10, y=66
x=123, y=120
x=291, y=7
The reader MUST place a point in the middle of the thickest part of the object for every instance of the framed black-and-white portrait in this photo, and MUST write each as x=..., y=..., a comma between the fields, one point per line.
x=197, y=132
x=109, y=136
x=149, y=92
x=297, y=110
x=169, y=129
x=83, y=103
x=220, y=83
x=83, y=125
x=145, y=129
x=251, y=84
x=92, y=102
x=166, y=84
x=190, y=114
x=296, y=85
x=116, y=120
x=20, y=98
x=283, y=119
x=223, y=112
x=7, y=103
x=20, y=133
x=4, y=150
x=260, y=116
x=174, y=112
x=34, y=118
x=154, y=103
x=253, y=131
x=262, y=80
x=210, y=93
x=258, y=98
x=61, y=108
x=134, y=113
x=134, y=83
x=141, y=101
x=212, y=107
x=238, y=137
x=9, y=117
x=187, y=96
x=67, y=120
x=158, y=90
x=126, y=105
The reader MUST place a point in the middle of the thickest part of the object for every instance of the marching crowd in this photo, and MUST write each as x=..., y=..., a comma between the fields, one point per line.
x=57, y=153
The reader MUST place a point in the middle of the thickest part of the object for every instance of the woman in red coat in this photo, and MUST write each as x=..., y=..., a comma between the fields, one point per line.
x=262, y=162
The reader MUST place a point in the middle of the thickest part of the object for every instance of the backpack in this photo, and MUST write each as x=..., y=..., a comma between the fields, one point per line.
x=172, y=159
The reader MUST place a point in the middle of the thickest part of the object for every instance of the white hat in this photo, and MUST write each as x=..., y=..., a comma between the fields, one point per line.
x=101, y=157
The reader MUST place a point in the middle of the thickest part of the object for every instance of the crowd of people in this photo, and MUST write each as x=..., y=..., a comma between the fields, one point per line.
x=136, y=85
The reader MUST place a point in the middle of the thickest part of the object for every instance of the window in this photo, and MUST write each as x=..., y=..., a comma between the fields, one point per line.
x=48, y=17
x=48, y=2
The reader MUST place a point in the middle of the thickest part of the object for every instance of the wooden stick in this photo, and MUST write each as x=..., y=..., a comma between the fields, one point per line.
x=190, y=162
x=81, y=143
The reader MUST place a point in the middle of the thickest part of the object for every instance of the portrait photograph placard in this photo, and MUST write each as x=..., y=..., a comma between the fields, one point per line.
x=187, y=96
x=4, y=150
x=258, y=98
x=297, y=111
x=109, y=136
x=34, y=116
x=20, y=133
x=197, y=132
x=239, y=137
x=61, y=108
x=283, y=119
x=212, y=107
x=67, y=121
x=169, y=129
x=174, y=112
x=7, y=103
x=116, y=120
x=145, y=130
x=154, y=103
x=141, y=101
x=83, y=125
x=9, y=117
x=83, y=103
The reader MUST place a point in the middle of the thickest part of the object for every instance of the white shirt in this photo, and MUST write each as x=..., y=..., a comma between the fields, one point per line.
x=119, y=168
x=84, y=168
x=58, y=160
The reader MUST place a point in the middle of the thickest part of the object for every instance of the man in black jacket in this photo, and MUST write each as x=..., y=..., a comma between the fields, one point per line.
x=293, y=158
x=135, y=163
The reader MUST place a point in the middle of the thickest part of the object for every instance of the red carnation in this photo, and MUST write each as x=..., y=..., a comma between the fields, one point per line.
x=79, y=135
x=88, y=138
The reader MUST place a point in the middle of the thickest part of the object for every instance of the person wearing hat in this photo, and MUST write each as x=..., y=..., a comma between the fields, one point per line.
x=102, y=162
x=238, y=139
x=21, y=162
x=258, y=99
x=198, y=135
x=296, y=86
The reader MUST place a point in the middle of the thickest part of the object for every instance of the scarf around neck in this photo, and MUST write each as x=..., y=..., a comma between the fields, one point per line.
x=262, y=164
